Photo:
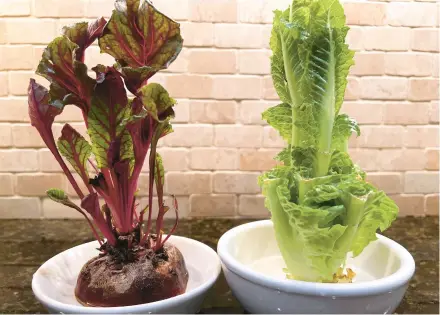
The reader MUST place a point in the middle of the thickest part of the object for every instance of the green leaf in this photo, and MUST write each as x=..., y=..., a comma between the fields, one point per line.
x=344, y=127
x=84, y=34
x=60, y=196
x=159, y=172
x=157, y=102
x=107, y=119
x=280, y=118
x=139, y=36
x=70, y=83
x=75, y=149
x=380, y=212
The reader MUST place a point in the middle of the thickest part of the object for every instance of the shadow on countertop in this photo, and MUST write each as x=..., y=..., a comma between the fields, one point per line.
x=26, y=244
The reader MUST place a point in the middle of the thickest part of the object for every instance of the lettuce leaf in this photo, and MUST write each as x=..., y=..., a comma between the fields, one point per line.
x=321, y=206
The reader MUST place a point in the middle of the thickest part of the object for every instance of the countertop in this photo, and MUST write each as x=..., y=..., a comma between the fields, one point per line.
x=26, y=244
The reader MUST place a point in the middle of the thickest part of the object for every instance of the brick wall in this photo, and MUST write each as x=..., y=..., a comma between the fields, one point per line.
x=222, y=82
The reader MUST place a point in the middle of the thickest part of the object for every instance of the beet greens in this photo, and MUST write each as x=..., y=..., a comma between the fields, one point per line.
x=122, y=130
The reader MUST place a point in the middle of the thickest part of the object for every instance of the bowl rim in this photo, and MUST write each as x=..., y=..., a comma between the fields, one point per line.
x=170, y=302
x=374, y=287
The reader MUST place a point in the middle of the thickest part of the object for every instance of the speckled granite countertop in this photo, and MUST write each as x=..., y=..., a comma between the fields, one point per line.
x=26, y=244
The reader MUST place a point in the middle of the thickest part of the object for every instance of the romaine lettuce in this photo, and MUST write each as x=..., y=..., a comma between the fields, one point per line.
x=321, y=206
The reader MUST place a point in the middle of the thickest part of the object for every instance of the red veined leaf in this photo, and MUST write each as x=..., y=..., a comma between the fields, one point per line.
x=70, y=83
x=84, y=34
x=107, y=118
x=76, y=150
x=141, y=39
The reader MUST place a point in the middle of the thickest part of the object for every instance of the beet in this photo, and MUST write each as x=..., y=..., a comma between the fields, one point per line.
x=147, y=276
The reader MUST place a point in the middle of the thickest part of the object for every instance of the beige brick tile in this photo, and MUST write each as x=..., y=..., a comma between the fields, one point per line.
x=70, y=114
x=7, y=184
x=93, y=57
x=182, y=111
x=143, y=184
x=356, y=38
x=272, y=139
x=421, y=182
x=368, y=63
x=54, y=210
x=401, y=160
x=19, y=82
x=69, y=188
x=5, y=135
x=269, y=92
x=212, y=61
x=29, y=30
x=177, y=10
x=178, y=183
x=257, y=160
x=365, y=13
x=189, y=86
x=213, y=11
x=213, y=205
x=180, y=65
x=259, y=11
x=435, y=65
x=48, y=163
x=367, y=159
x=198, y=34
x=17, y=57
x=174, y=159
x=381, y=137
x=425, y=39
x=266, y=33
x=98, y=8
x=412, y=14
x=213, y=159
x=390, y=183
x=434, y=112
x=421, y=137
x=252, y=206
x=432, y=163
x=190, y=135
x=15, y=7
x=20, y=208
x=387, y=38
x=254, y=61
x=238, y=36
x=364, y=112
x=26, y=136
x=217, y=112
x=18, y=160
x=37, y=184
x=380, y=88
x=423, y=89
x=353, y=90
x=251, y=111
x=432, y=205
x=403, y=113
x=58, y=8
x=412, y=205
x=3, y=83
x=236, y=182
x=236, y=87
x=408, y=64
x=238, y=136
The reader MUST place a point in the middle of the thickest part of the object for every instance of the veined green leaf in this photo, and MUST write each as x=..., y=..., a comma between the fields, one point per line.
x=75, y=149
x=60, y=196
x=107, y=118
x=70, y=83
x=280, y=118
x=159, y=172
x=140, y=37
x=157, y=102
x=343, y=128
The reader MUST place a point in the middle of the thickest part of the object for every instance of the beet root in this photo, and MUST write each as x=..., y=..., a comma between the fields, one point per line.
x=149, y=277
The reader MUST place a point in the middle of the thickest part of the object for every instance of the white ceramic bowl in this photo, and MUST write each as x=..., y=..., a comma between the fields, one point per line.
x=54, y=282
x=252, y=264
